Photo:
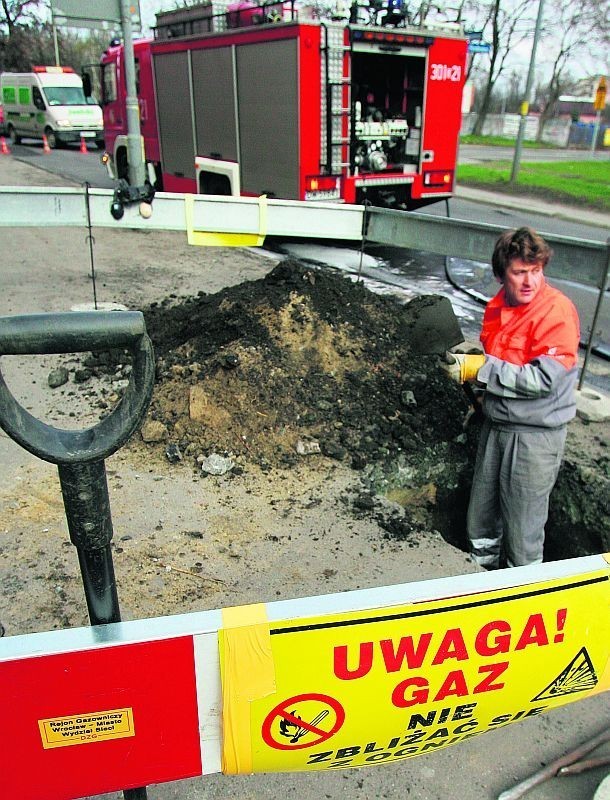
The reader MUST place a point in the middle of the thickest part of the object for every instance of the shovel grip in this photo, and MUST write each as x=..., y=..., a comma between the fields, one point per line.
x=73, y=332
x=76, y=332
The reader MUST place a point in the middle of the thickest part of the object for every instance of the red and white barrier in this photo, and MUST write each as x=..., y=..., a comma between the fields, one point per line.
x=289, y=685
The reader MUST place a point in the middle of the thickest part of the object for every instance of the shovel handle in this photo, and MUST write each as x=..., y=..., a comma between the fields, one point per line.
x=71, y=332
x=77, y=332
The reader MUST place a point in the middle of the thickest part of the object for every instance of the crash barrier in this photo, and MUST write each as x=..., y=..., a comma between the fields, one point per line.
x=239, y=221
x=290, y=685
x=580, y=260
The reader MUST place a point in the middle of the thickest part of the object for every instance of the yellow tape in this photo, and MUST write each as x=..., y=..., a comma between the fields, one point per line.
x=219, y=239
x=247, y=673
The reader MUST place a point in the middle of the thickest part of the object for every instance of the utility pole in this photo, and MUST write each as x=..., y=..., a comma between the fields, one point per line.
x=599, y=103
x=528, y=90
x=134, y=140
x=55, y=42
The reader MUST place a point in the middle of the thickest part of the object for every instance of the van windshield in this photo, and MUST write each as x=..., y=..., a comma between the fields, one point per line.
x=65, y=96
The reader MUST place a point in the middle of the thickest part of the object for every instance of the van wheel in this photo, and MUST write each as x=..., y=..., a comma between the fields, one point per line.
x=51, y=138
x=13, y=135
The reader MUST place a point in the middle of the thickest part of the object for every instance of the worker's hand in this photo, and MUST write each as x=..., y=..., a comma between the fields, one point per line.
x=462, y=367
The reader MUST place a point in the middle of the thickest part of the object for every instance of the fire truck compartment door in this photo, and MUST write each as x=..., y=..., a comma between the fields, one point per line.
x=268, y=100
x=214, y=103
x=174, y=112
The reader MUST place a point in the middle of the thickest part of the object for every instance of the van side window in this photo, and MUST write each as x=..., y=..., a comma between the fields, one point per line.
x=37, y=99
x=109, y=92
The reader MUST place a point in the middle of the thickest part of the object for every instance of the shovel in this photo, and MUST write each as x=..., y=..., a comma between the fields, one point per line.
x=434, y=330
x=80, y=454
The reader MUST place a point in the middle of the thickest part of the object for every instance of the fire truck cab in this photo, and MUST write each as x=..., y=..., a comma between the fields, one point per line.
x=272, y=99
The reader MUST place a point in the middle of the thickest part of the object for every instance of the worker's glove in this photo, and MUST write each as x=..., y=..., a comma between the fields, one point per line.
x=462, y=367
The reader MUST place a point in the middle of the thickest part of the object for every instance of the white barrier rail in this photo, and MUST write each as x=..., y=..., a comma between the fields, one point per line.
x=66, y=207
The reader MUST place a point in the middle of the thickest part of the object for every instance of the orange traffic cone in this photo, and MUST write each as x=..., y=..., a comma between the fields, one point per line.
x=83, y=145
x=4, y=147
x=45, y=144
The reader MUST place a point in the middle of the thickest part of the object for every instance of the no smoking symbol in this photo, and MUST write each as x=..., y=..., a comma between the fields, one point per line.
x=305, y=720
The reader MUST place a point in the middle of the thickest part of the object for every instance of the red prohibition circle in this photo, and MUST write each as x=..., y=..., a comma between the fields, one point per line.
x=281, y=711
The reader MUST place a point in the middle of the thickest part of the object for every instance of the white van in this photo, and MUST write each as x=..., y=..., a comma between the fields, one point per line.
x=49, y=101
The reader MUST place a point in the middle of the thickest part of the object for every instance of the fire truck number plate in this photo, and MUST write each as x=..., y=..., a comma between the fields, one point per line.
x=445, y=72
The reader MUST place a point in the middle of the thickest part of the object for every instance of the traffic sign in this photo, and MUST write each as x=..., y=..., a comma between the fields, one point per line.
x=479, y=47
x=600, y=95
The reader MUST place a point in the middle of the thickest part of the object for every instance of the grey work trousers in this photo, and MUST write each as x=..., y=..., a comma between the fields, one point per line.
x=514, y=474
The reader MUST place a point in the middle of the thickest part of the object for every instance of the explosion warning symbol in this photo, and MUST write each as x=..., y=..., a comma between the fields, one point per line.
x=305, y=720
x=578, y=676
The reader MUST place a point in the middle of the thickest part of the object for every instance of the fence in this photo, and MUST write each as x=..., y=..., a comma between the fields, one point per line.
x=559, y=132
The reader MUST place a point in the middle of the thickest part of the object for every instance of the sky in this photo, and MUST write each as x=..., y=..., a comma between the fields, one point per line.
x=148, y=9
x=582, y=66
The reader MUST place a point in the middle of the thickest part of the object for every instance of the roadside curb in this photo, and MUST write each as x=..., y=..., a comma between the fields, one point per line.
x=532, y=204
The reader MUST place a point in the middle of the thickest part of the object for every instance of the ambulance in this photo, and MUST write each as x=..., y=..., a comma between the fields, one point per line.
x=49, y=101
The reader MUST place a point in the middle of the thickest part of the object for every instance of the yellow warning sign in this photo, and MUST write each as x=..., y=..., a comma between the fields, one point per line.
x=86, y=728
x=362, y=688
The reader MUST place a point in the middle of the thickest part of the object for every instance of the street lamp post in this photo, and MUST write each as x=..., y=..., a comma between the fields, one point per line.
x=528, y=89
x=134, y=142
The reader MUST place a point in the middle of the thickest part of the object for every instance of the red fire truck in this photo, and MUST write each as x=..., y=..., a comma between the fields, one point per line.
x=273, y=99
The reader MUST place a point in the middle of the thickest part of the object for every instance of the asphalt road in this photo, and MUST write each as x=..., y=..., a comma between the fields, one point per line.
x=68, y=162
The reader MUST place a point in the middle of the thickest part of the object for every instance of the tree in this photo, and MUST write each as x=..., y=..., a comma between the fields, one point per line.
x=576, y=29
x=15, y=12
x=32, y=44
x=507, y=25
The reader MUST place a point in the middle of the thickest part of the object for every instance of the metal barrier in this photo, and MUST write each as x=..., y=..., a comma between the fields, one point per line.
x=581, y=261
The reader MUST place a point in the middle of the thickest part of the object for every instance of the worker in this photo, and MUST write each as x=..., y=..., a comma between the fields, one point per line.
x=528, y=372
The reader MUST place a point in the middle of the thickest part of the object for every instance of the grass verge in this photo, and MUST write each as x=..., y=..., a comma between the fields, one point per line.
x=582, y=183
x=504, y=141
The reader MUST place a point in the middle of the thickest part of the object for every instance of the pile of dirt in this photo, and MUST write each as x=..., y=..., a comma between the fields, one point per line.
x=302, y=361
x=308, y=361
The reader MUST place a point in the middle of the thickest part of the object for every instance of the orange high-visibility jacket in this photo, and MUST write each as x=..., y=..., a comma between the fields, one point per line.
x=548, y=326
x=531, y=351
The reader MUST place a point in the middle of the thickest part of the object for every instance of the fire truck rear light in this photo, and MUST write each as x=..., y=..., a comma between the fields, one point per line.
x=438, y=178
x=323, y=187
